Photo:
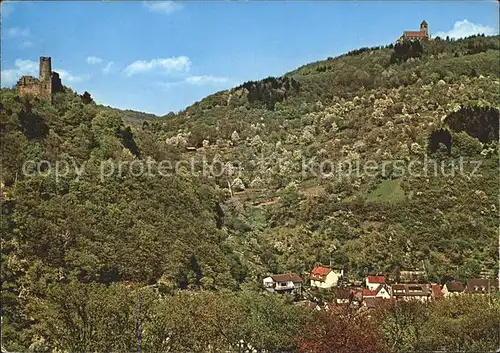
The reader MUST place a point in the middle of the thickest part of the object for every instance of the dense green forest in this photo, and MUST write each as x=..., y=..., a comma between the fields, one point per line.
x=86, y=243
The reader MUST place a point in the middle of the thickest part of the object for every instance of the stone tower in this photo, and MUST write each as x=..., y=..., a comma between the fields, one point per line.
x=45, y=68
x=45, y=77
x=424, y=28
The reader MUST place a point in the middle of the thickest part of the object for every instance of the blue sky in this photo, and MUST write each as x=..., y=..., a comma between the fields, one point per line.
x=163, y=56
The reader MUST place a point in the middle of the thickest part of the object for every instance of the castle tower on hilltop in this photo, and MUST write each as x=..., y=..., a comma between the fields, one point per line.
x=45, y=77
x=423, y=34
x=48, y=82
x=424, y=28
x=45, y=70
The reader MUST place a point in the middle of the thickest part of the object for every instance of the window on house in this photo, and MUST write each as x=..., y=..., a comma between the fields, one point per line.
x=283, y=284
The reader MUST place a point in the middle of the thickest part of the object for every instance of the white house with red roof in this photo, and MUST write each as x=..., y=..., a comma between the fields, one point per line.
x=380, y=292
x=325, y=277
x=372, y=282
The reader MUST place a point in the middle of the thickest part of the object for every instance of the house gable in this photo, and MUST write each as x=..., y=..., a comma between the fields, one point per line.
x=324, y=277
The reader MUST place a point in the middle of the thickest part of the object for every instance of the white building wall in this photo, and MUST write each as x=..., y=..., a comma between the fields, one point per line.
x=372, y=286
x=383, y=293
x=330, y=281
x=332, y=278
x=288, y=284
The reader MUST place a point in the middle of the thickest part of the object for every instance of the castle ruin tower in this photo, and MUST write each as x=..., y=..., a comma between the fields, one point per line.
x=424, y=28
x=45, y=69
x=45, y=77
x=48, y=82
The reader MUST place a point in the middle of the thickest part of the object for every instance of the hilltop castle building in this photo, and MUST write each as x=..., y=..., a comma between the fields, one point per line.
x=42, y=87
x=423, y=34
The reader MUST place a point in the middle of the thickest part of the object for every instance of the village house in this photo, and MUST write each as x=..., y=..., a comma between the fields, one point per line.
x=373, y=282
x=452, y=288
x=380, y=292
x=412, y=291
x=325, y=277
x=283, y=283
x=480, y=286
x=344, y=295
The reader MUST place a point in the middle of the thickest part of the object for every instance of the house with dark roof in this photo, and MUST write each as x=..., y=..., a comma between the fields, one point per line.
x=343, y=295
x=283, y=283
x=325, y=277
x=481, y=286
x=452, y=288
x=411, y=291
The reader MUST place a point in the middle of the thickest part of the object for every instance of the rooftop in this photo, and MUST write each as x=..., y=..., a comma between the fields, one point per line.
x=287, y=277
x=454, y=286
x=414, y=34
x=376, y=279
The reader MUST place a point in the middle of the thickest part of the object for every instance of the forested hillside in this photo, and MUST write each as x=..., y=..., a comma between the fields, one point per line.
x=368, y=105
x=248, y=193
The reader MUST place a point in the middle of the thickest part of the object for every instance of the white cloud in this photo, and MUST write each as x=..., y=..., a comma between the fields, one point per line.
x=93, y=60
x=22, y=67
x=67, y=77
x=166, y=7
x=465, y=28
x=108, y=68
x=205, y=80
x=15, y=32
x=166, y=65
